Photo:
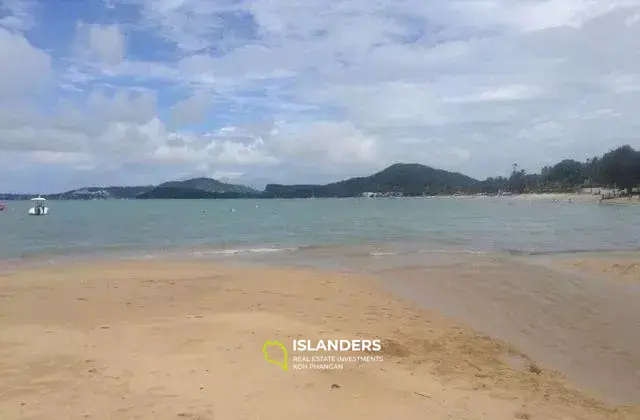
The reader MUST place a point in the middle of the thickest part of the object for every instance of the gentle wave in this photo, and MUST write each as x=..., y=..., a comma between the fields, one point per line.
x=519, y=252
x=235, y=251
x=453, y=251
x=428, y=251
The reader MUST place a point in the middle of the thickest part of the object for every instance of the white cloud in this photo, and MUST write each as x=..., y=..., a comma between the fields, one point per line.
x=123, y=106
x=530, y=16
x=24, y=69
x=192, y=110
x=321, y=141
x=105, y=43
x=500, y=93
x=340, y=87
x=17, y=15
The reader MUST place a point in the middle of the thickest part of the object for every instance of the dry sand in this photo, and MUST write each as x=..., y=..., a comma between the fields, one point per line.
x=183, y=340
x=577, y=198
x=560, y=197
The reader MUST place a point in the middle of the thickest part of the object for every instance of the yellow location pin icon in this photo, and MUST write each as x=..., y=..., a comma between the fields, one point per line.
x=265, y=350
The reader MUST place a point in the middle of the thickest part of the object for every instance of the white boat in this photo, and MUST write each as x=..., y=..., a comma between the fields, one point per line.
x=38, y=209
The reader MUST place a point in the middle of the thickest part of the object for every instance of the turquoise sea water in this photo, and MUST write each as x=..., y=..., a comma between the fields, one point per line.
x=377, y=227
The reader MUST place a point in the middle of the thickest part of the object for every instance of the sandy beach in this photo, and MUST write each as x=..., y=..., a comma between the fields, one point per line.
x=560, y=197
x=577, y=198
x=183, y=339
x=622, y=269
x=580, y=198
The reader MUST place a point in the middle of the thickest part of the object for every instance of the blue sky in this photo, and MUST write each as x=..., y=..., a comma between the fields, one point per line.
x=106, y=92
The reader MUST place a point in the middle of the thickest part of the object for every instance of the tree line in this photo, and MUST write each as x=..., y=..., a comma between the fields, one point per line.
x=618, y=168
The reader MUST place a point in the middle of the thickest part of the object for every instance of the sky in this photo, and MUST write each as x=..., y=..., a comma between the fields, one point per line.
x=137, y=92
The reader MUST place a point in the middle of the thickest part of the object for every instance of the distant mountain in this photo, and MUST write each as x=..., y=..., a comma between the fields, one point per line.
x=192, y=193
x=89, y=193
x=409, y=179
x=196, y=188
x=208, y=185
x=103, y=193
x=9, y=197
x=190, y=188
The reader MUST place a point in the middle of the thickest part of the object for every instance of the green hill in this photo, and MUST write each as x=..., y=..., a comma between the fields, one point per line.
x=409, y=179
x=190, y=188
x=192, y=193
x=101, y=193
x=88, y=193
x=208, y=185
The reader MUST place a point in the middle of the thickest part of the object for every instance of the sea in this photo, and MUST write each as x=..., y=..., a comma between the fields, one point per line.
x=485, y=261
x=311, y=229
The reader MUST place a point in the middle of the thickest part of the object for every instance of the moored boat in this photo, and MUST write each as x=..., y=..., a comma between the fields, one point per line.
x=38, y=209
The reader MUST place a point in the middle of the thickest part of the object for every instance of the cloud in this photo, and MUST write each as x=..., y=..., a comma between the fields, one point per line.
x=192, y=110
x=123, y=106
x=323, y=141
x=17, y=15
x=305, y=91
x=105, y=43
x=24, y=70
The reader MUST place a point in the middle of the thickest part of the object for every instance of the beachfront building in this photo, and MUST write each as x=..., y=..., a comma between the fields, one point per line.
x=592, y=190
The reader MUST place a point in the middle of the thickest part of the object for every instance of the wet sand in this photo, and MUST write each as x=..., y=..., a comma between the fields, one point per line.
x=578, y=315
x=615, y=267
x=183, y=339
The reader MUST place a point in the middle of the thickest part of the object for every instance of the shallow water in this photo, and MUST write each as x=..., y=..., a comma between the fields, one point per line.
x=229, y=227
x=584, y=326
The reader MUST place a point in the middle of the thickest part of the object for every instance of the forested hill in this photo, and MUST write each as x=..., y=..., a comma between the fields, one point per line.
x=189, y=188
x=208, y=185
x=409, y=179
x=618, y=168
x=192, y=193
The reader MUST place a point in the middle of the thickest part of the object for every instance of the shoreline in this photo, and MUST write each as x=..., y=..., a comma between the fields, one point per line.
x=577, y=197
x=260, y=253
x=146, y=336
x=545, y=197
x=575, y=313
